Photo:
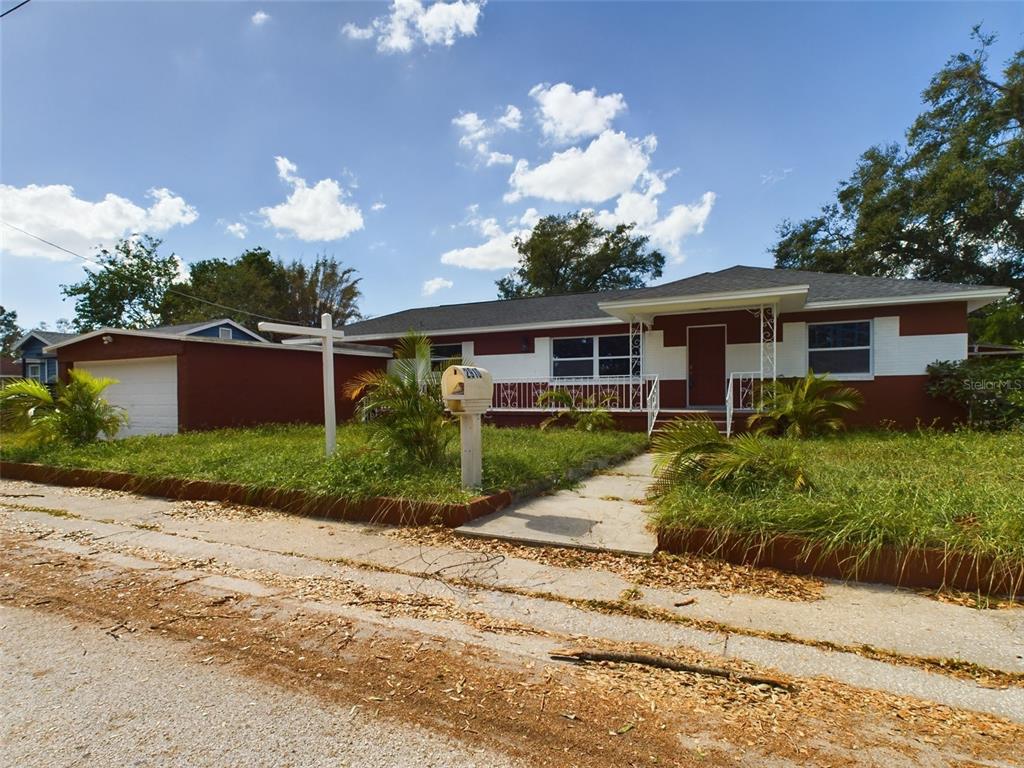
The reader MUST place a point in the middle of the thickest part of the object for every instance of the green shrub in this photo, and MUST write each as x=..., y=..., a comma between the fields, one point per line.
x=591, y=414
x=403, y=406
x=693, y=451
x=991, y=390
x=813, y=405
x=77, y=414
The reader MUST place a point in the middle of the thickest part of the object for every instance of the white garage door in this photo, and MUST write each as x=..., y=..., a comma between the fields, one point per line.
x=147, y=388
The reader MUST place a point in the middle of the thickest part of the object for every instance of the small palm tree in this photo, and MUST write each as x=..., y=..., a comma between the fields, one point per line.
x=693, y=450
x=804, y=407
x=403, y=404
x=77, y=413
x=590, y=415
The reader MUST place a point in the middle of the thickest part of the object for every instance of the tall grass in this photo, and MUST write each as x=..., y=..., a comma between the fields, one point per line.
x=963, y=492
x=291, y=457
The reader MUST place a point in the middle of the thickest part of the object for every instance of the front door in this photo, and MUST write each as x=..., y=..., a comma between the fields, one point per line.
x=705, y=354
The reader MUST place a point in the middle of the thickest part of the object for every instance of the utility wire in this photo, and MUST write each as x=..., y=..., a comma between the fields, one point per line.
x=169, y=290
x=12, y=10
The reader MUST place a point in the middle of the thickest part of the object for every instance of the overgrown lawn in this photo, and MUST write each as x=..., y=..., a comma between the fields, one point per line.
x=963, y=491
x=291, y=457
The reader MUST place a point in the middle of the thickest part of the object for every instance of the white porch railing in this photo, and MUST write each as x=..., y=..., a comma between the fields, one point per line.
x=740, y=394
x=629, y=394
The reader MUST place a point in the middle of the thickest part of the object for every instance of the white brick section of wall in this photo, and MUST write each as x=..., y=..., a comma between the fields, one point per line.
x=896, y=355
x=793, y=350
x=665, y=362
x=535, y=366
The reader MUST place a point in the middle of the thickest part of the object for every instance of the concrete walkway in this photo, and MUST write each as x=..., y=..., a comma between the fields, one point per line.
x=605, y=512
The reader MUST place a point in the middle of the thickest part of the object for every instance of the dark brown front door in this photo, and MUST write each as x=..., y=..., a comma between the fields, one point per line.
x=705, y=355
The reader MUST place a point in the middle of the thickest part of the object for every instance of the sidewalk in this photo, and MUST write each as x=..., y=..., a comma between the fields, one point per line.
x=605, y=512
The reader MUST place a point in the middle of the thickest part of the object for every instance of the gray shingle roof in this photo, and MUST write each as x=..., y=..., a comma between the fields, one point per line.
x=584, y=306
x=50, y=337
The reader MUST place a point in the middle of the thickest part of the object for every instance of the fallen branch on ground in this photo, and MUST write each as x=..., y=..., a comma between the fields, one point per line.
x=676, y=666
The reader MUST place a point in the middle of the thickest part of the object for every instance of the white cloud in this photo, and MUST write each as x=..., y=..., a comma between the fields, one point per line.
x=260, y=18
x=774, y=177
x=184, y=270
x=567, y=115
x=435, y=284
x=355, y=32
x=410, y=22
x=380, y=205
x=668, y=232
x=496, y=252
x=477, y=133
x=55, y=213
x=609, y=166
x=316, y=213
x=238, y=229
x=529, y=218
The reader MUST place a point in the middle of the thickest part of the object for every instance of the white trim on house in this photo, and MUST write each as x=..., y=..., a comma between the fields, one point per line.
x=606, y=320
x=974, y=299
x=721, y=300
x=223, y=321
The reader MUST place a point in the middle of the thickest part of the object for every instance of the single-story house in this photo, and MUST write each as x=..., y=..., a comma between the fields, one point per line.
x=170, y=382
x=40, y=365
x=704, y=342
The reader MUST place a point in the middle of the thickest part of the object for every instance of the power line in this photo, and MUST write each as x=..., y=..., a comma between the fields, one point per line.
x=12, y=10
x=169, y=290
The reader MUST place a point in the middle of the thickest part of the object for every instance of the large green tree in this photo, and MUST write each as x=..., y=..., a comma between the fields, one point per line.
x=948, y=205
x=257, y=286
x=10, y=331
x=573, y=254
x=127, y=289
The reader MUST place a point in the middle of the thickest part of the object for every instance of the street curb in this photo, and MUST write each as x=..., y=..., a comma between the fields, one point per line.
x=380, y=510
x=912, y=568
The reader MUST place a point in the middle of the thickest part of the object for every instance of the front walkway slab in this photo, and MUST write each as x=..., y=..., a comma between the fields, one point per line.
x=605, y=512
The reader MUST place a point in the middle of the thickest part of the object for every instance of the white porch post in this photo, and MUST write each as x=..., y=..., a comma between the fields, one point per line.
x=327, y=336
x=330, y=418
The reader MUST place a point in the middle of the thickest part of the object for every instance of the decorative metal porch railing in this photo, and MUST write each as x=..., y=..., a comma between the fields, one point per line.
x=741, y=393
x=616, y=393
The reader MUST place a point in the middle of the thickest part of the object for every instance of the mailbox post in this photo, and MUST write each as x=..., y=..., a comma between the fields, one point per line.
x=467, y=392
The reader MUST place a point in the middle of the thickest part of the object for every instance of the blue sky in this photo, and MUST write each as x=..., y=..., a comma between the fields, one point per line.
x=383, y=134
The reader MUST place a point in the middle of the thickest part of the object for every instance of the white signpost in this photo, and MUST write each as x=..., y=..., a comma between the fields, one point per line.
x=326, y=336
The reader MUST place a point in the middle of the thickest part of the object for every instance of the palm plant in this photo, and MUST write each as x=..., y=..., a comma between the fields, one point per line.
x=693, y=450
x=591, y=414
x=812, y=405
x=403, y=404
x=77, y=413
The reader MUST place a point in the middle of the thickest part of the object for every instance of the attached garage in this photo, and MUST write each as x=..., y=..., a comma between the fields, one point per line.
x=171, y=383
x=147, y=389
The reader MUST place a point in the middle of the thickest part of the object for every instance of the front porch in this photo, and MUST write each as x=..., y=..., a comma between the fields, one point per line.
x=693, y=372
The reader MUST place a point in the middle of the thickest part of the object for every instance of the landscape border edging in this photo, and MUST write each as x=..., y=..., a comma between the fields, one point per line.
x=382, y=510
x=913, y=568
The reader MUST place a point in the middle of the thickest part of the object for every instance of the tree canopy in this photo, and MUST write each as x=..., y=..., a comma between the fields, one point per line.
x=948, y=206
x=256, y=286
x=127, y=289
x=10, y=331
x=571, y=253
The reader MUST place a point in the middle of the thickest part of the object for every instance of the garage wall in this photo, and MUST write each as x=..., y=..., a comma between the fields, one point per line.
x=146, y=388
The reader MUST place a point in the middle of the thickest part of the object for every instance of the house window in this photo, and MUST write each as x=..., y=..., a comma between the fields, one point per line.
x=590, y=357
x=839, y=348
x=224, y=333
x=443, y=355
x=35, y=372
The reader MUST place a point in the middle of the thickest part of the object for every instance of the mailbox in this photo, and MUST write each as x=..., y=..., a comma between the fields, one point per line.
x=467, y=389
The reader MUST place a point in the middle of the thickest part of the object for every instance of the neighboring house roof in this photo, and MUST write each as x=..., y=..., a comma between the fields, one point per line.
x=189, y=328
x=47, y=337
x=819, y=290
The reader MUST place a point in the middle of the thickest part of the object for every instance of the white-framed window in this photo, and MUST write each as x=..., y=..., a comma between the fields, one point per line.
x=224, y=333
x=590, y=357
x=35, y=371
x=441, y=355
x=840, y=349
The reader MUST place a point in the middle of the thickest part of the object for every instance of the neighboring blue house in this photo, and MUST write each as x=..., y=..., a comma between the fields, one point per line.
x=42, y=366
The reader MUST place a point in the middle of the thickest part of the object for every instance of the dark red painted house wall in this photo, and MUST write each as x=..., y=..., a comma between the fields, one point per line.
x=233, y=385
